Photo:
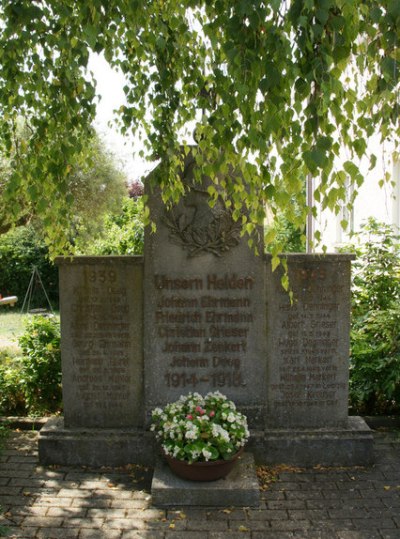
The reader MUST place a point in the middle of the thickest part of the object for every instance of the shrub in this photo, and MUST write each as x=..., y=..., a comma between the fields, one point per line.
x=12, y=396
x=21, y=249
x=41, y=365
x=375, y=331
x=123, y=234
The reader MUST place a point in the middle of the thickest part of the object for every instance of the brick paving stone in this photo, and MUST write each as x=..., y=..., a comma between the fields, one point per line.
x=29, y=510
x=12, y=491
x=287, y=504
x=79, y=523
x=191, y=512
x=207, y=525
x=268, y=534
x=267, y=514
x=255, y=525
x=67, y=512
x=126, y=504
x=190, y=535
x=99, y=512
x=133, y=534
x=228, y=535
x=330, y=524
x=57, y=533
x=105, y=533
x=349, y=534
x=290, y=525
x=21, y=532
x=347, y=512
x=49, y=500
x=89, y=501
x=42, y=521
x=315, y=534
x=117, y=494
x=390, y=534
x=231, y=513
x=381, y=523
x=13, y=500
x=45, y=502
x=130, y=523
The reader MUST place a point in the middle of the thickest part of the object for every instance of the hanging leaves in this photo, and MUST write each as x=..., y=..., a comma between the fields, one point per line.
x=274, y=90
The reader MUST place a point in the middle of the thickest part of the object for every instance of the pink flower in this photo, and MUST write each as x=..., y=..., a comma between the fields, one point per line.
x=200, y=410
x=212, y=413
x=189, y=417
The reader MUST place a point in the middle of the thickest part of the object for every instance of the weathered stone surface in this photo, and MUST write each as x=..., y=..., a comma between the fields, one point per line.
x=239, y=488
x=204, y=319
x=101, y=303
x=351, y=445
x=94, y=446
x=308, y=343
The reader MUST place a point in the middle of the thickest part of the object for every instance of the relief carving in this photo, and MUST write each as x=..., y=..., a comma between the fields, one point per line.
x=198, y=228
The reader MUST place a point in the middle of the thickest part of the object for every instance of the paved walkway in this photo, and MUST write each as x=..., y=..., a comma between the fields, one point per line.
x=66, y=502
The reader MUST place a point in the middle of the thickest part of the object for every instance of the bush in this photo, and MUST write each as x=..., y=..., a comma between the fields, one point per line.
x=20, y=250
x=41, y=365
x=375, y=331
x=12, y=397
x=291, y=239
x=123, y=234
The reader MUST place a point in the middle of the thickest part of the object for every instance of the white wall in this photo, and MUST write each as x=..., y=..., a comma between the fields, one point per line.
x=373, y=200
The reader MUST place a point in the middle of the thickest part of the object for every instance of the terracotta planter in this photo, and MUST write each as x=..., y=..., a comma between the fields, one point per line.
x=203, y=471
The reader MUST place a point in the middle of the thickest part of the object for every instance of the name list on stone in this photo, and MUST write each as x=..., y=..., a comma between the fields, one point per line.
x=203, y=327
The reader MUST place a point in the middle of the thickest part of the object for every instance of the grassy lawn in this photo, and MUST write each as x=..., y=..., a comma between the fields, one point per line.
x=12, y=324
x=11, y=327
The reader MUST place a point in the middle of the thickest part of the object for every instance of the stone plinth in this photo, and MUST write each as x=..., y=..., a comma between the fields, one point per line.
x=94, y=446
x=350, y=445
x=239, y=488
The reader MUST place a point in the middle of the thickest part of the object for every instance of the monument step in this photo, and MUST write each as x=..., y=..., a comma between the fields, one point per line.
x=238, y=489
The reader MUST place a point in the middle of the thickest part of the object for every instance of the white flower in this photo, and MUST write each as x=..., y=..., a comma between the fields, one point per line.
x=207, y=454
x=219, y=432
x=231, y=417
x=192, y=433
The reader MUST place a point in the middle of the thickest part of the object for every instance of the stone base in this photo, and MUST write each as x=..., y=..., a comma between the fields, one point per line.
x=238, y=489
x=94, y=446
x=350, y=446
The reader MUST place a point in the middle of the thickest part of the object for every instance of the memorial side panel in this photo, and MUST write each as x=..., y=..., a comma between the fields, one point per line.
x=309, y=343
x=101, y=345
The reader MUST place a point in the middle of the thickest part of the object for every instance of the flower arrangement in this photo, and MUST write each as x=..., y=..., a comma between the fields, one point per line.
x=200, y=429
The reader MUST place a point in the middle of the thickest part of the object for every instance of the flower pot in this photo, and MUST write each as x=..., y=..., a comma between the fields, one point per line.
x=203, y=471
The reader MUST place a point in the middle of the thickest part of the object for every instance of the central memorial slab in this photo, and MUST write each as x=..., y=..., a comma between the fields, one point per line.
x=204, y=317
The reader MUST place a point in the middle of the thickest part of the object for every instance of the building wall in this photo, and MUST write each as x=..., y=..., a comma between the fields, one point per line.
x=375, y=198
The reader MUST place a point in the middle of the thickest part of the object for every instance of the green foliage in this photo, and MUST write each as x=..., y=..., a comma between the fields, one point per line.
x=122, y=234
x=21, y=249
x=281, y=86
x=93, y=187
x=284, y=233
x=41, y=365
x=4, y=432
x=375, y=334
x=12, y=397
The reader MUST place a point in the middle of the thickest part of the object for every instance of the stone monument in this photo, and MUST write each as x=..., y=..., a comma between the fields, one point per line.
x=202, y=312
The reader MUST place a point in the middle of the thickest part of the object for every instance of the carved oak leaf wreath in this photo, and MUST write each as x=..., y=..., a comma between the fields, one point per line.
x=217, y=236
